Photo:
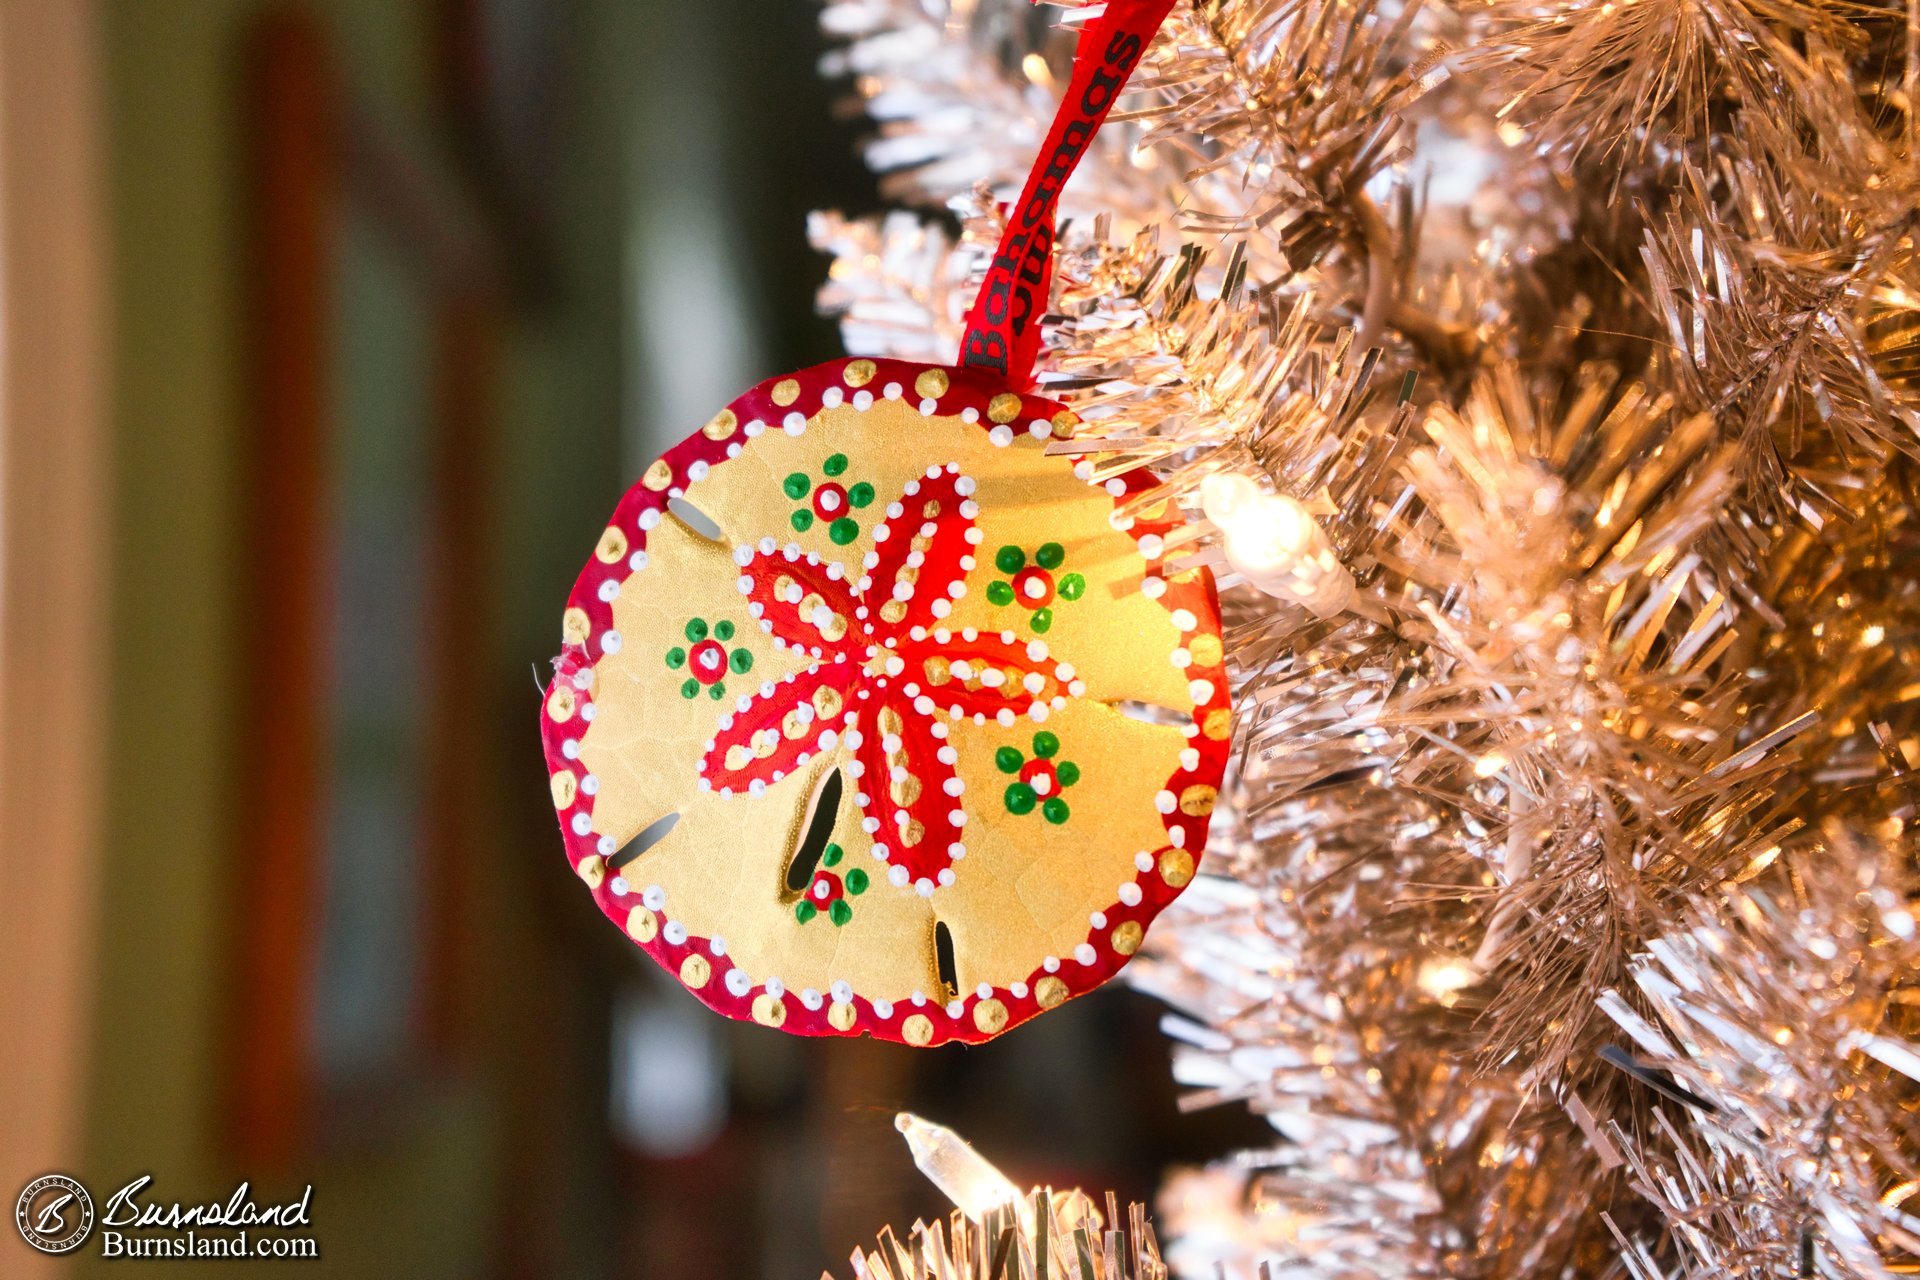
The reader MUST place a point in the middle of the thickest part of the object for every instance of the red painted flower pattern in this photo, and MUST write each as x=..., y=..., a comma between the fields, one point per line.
x=886, y=677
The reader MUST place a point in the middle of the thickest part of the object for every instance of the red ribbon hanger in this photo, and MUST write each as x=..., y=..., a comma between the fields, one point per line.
x=1003, y=328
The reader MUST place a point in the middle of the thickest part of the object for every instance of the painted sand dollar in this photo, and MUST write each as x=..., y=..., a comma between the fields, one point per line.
x=874, y=718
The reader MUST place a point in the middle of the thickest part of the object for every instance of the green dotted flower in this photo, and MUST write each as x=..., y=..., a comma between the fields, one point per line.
x=1040, y=779
x=708, y=658
x=827, y=894
x=1034, y=586
x=828, y=500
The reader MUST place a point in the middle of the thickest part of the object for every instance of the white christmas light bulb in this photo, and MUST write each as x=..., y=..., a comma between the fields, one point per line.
x=963, y=1175
x=1275, y=544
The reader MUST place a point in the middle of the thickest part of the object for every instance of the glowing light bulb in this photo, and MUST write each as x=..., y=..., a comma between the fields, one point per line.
x=1445, y=977
x=1275, y=544
x=963, y=1175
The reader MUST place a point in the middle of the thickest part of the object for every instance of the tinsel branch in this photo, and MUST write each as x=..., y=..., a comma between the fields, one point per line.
x=1782, y=1021
x=998, y=1232
x=1068, y=1240
x=1581, y=339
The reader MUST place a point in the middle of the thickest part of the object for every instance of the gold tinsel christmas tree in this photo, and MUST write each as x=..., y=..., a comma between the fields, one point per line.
x=1543, y=380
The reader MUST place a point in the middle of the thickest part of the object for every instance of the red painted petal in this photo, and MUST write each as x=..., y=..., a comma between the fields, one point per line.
x=986, y=675
x=918, y=553
x=911, y=791
x=778, y=733
x=803, y=601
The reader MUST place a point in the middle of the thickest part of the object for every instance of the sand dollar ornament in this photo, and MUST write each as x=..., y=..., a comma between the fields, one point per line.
x=874, y=715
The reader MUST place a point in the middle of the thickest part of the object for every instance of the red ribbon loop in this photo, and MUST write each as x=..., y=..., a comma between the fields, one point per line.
x=1003, y=329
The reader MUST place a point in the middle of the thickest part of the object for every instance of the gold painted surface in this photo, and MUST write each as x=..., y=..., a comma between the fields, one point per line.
x=1117, y=639
x=646, y=738
x=1197, y=800
x=723, y=866
x=727, y=876
x=1027, y=886
x=642, y=924
x=612, y=547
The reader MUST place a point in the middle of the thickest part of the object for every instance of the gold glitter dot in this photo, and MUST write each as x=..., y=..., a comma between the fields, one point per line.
x=642, y=925
x=921, y=543
x=809, y=603
x=1126, y=939
x=931, y=384
x=721, y=425
x=613, y=546
x=859, y=373
x=565, y=787
x=826, y=701
x=1217, y=724
x=917, y=1030
x=658, y=476
x=1004, y=407
x=591, y=869
x=939, y=671
x=765, y=743
x=1064, y=423
x=738, y=757
x=694, y=971
x=1176, y=867
x=893, y=610
x=836, y=627
x=781, y=586
x=841, y=1017
x=931, y=510
x=792, y=725
x=1049, y=991
x=890, y=721
x=769, y=1010
x=905, y=791
x=1205, y=650
x=560, y=704
x=1197, y=800
x=913, y=833
x=990, y=1017
x=574, y=627
x=786, y=391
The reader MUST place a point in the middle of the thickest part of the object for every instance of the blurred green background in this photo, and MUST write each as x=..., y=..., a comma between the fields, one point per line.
x=333, y=332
